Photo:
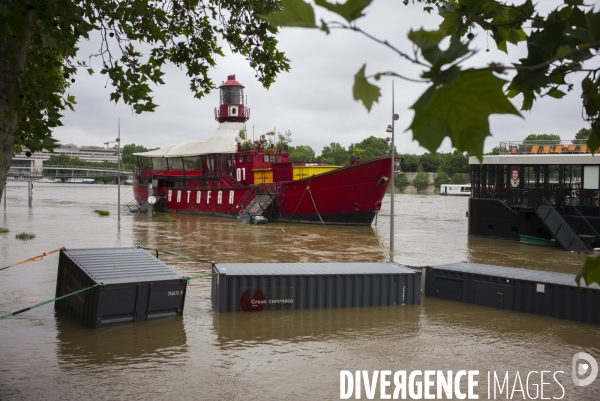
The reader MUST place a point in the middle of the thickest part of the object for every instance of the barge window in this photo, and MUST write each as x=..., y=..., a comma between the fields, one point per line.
x=553, y=176
x=278, y=158
x=176, y=164
x=249, y=159
x=476, y=181
x=241, y=159
x=591, y=176
x=266, y=158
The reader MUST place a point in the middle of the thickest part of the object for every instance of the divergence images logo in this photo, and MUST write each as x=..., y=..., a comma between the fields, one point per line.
x=253, y=301
x=583, y=365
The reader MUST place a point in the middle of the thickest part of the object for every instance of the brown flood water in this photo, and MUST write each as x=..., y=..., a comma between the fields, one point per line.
x=286, y=355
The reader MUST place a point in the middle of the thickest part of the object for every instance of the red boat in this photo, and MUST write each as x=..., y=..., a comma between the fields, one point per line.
x=220, y=176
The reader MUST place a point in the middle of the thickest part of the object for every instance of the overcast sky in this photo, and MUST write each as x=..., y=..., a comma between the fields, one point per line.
x=314, y=100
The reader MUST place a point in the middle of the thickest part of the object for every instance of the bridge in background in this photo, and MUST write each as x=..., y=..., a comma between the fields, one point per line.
x=65, y=172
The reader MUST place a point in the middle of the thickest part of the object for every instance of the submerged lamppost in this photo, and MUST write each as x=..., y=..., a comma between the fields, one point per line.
x=118, y=141
x=390, y=128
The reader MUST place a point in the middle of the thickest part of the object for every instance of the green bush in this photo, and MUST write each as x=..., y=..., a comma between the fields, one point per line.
x=165, y=218
x=421, y=180
x=4, y=230
x=102, y=212
x=440, y=178
x=401, y=182
x=25, y=236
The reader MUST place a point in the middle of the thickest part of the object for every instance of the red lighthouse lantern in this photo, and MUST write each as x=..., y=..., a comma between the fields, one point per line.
x=232, y=108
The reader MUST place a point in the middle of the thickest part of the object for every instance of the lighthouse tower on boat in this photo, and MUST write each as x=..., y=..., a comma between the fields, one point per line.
x=232, y=108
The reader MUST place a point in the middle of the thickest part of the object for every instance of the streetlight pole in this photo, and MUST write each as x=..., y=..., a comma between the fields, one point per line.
x=119, y=171
x=390, y=128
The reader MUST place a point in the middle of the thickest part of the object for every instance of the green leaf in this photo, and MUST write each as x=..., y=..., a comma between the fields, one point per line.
x=294, y=13
x=364, y=91
x=351, y=10
x=556, y=93
x=590, y=271
x=90, y=71
x=460, y=111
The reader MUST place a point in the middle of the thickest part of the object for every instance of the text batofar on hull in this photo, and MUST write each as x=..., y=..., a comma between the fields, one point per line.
x=226, y=175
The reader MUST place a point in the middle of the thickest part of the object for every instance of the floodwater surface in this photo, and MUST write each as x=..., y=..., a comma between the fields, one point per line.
x=283, y=355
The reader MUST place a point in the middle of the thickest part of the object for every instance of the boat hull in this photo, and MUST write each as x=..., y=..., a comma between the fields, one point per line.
x=492, y=218
x=350, y=195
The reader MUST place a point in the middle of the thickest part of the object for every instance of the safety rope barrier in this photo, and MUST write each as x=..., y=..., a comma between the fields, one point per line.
x=35, y=258
x=200, y=276
x=315, y=205
x=178, y=255
x=47, y=302
x=298, y=204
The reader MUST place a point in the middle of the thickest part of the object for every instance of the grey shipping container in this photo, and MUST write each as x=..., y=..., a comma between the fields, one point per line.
x=524, y=290
x=134, y=286
x=277, y=286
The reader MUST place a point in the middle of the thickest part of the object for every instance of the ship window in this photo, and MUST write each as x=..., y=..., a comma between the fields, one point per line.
x=278, y=159
x=241, y=159
x=159, y=163
x=249, y=158
x=176, y=163
x=192, y=163
x=266, y=158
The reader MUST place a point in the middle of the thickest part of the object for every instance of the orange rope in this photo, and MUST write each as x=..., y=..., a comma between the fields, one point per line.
x=35, y=258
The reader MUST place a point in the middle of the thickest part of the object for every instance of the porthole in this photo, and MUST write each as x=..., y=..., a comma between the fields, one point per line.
x=491, y=227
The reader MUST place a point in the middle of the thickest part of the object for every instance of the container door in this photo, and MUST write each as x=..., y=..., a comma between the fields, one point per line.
x=449, y=288
x=492, y=294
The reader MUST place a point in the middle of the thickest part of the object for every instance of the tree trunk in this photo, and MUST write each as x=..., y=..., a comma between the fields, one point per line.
x=13, y=54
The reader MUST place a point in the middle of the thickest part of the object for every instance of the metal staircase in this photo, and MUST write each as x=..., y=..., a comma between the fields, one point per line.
x=562, y=231
x=135, y=206
x=258, y=205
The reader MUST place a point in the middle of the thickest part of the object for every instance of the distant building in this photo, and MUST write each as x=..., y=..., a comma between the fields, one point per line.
x=23, y=165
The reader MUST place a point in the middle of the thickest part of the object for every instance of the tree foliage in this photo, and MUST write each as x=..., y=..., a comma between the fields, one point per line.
x=440, y=178
x=38, y=55
x=582, y=135
x=372, y=147
x=421, y=180
x=401, y=181
x=548, y=138
x=459, y=178
x=302, y=153
x=458, y=100
x=128, y=151
x=455, y=162
x=334, y=154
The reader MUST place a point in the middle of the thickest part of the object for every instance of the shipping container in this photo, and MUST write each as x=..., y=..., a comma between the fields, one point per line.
x=279, y=286
x=524, y=290
x=134, y=286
